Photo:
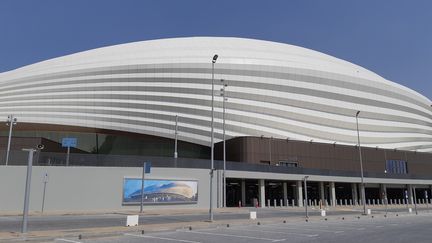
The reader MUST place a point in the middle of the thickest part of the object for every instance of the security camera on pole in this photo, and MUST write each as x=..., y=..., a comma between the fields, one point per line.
x=11, y=121
x=28, y=183
x=215, y=57
x=223, y=94
x=361, y=167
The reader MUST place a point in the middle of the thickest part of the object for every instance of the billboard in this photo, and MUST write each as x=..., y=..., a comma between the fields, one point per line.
x=160, y=191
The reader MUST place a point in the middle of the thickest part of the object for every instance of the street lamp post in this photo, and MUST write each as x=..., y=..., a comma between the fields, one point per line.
x=212, y=143
x=361, y=167
x=11, y=121
x=306, y=196
x=223, y=94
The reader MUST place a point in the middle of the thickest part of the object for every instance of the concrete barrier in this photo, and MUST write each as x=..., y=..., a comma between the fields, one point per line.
x=132, y=220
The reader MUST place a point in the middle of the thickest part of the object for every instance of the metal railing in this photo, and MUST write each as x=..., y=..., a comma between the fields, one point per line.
x=105, y=160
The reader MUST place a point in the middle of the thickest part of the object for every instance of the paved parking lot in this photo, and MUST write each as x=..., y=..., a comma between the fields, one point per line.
x=404, y=228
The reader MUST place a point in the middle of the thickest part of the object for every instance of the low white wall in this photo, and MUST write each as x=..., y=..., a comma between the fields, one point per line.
x=87, y=188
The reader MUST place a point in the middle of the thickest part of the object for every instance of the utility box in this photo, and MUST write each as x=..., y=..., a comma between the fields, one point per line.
x=132, y=220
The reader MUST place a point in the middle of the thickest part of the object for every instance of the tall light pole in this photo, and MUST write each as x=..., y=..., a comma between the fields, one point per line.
x=212, y=143
x=11, y=121
x=361, y=167
x=223, y=94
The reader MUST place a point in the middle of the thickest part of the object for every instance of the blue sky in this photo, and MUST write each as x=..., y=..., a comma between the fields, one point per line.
x=390, y=37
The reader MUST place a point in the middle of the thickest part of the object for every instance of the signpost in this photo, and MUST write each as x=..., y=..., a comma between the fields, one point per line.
x=145, y=170
x=69, y=143
x=427, y=200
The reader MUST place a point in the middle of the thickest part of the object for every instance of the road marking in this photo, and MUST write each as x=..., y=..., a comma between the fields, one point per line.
x=307, y=229
x=336, y=226
x=162, y=238
x=379, y=226
x=229, y=235
x=270, y=231
x=65, y=240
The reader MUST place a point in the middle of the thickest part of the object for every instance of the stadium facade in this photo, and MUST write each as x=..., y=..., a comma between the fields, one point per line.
x=290, y=112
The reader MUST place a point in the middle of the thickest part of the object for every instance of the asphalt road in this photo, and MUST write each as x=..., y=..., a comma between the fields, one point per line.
x=392, y=229
x=69, y=222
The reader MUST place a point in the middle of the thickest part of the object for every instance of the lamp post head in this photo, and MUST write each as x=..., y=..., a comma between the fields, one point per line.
x=215, y=57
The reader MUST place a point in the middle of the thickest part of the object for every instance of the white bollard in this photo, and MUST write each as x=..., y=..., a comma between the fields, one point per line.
x=409, y=210
x=268, y=202
x=253, y=215
x=369, y=211
x=132, y=220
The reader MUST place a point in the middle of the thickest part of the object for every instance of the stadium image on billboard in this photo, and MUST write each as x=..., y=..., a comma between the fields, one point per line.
x=159, y=191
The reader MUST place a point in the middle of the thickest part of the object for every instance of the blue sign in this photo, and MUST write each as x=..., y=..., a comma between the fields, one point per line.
x=69, y=142
x=147, y=167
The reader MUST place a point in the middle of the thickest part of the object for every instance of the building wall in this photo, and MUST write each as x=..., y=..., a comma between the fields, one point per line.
x=320, y=155
x=86, y=188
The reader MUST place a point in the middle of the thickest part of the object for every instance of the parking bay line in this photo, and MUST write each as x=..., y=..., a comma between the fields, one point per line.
x=306, y=229
x=327, y=226
x=65, y=240
x=229, y=235
x=277, y=232
x=162, y=238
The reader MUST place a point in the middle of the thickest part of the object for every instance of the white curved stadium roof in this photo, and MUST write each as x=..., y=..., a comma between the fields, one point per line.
x=274, y=90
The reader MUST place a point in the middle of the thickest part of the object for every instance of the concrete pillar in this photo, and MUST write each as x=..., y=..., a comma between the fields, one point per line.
x=354, y=193
x=285, y=193
x=333, y=193
x=321, y=192
x=383, y=191
x=243, y=192
x=299, y=193
x=410, y=194
x=261, y=186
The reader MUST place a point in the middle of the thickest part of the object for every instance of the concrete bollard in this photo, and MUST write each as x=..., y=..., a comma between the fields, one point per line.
x=373, y=202
x=315, y=203
x=132, y=220
x=281, y=203
x=323, y=213
x=268, y=202
x=350, y=202
x=292, y=203
x=368, y=202
x=274, y=203
x=346, y=204
x=253, y=215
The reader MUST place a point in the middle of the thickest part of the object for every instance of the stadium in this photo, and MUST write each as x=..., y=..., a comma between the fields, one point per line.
x=287, y=114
